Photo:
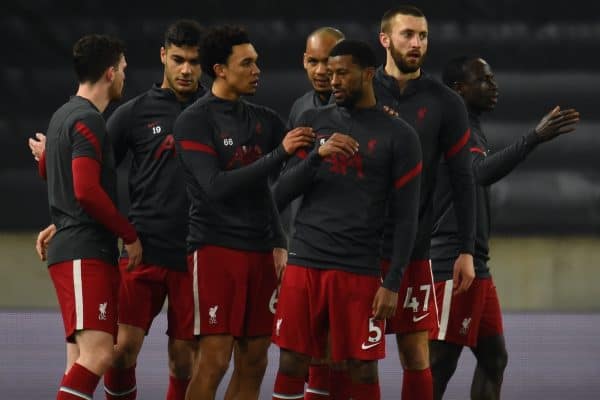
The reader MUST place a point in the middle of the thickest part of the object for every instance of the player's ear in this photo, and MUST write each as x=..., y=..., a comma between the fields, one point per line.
x=219, y=70
x=109, y=74
x=384, y=39
x=369, y=73
x=163, y=55
x=304, y=60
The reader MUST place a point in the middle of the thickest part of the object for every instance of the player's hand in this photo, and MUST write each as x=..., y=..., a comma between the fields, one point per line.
x=384, y=303
x=463, y=274
x=339, y=143
x=298, y=138
x=280, y=257
x=38, y=146
x=557, y=122
x=43, y=239
x=134, y=251
x=390, y=111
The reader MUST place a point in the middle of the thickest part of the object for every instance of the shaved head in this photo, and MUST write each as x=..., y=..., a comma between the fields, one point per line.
x=318, y=45
x=324, y=33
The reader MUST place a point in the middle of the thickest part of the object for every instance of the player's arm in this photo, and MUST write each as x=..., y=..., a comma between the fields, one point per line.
x=119, y=126
x=197, y=151
x=87, y=137
x=489, y=168
x=404, y=206
x=454, y=137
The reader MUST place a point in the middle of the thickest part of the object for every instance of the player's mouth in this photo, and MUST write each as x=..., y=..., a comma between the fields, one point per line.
x=254, y=84
x=339, y=93
x=184, y=82
x=413, y=56
x=321, y=82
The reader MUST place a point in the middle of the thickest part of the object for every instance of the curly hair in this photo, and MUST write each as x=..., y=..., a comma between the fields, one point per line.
x=217, y=45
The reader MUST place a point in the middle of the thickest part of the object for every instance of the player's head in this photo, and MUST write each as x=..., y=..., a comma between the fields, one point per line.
x=351, y=67
x=473, y=79
x=404, y=36
x=101, y=59
x=318, y=45
x=179, y=55
x=227, y=55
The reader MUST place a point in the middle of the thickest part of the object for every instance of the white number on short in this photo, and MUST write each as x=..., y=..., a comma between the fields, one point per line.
x=374, y=329
x=411, y=301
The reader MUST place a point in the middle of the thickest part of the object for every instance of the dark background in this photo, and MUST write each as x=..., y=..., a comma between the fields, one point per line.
x=543, y=54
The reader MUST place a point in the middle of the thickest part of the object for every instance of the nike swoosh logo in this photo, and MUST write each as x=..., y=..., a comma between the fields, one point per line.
x=417, y=319
x=368, y=346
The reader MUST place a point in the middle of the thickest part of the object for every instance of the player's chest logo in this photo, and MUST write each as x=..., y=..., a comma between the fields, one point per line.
x=243, y=155
x=342, y=165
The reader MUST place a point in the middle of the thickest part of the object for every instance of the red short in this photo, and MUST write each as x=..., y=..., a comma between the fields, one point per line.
x=235, y=291
x=143, y=292
x=87, y=292
x=417, y=309
x=469, y=316
x=315, y=304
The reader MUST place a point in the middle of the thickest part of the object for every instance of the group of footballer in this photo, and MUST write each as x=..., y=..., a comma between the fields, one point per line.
x=367, y=213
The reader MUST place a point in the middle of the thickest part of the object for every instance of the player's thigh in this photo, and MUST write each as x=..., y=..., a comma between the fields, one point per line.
x=262, y=286
x=221, y=275
x=417, y=308
x=183, y=310
x=354, y=333
x=87, y=291
x=300, y=323
x=460, y=314
x=142, y=294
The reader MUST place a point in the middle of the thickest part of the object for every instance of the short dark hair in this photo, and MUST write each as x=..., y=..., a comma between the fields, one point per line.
x=456, y=69
x=403, y=10
x=362, y=54
x=217, y=45
x=93, y=54
x=184, y=32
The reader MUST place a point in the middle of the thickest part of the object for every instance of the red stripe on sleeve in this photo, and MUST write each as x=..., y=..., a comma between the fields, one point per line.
x=301, y=154
x=197, y=146
x=476, y=150
x=410, y=175
x=87, y=133
x=42, y=165
x=459, y=145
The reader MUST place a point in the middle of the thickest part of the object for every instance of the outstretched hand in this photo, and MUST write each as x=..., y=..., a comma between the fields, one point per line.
x=557, y=122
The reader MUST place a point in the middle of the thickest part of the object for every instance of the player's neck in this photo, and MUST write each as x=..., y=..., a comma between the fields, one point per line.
x=223, y=91
x=95, y=94
x=367, y=100
x=402, y=78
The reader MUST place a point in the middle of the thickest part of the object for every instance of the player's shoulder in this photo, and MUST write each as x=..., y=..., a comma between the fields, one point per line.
x=310, y=115
x=441, y=91
x=263, y=112
x=83, y=110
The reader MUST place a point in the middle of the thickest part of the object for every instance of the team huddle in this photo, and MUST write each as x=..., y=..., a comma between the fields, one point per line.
x=367, y=213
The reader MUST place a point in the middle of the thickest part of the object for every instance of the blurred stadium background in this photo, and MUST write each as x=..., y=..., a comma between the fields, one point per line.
x=546, y=248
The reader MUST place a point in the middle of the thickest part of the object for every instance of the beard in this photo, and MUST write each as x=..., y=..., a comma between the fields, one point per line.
x=115, y=92
x=351, y=98
x=402, y=64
